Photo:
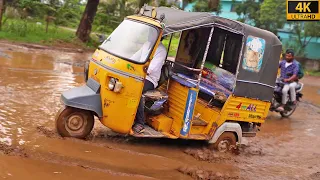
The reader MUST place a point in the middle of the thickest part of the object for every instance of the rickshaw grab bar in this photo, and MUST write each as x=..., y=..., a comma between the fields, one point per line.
x=251, y=82
x=191, y=69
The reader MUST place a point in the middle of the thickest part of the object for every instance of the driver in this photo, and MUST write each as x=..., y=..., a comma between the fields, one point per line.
x=289, y=73
x=152, y=78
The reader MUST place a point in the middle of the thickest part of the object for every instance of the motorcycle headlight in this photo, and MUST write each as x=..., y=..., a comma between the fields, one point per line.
x=112, y=83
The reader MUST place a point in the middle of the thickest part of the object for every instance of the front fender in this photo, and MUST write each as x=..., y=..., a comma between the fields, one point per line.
x=86, y=97
x=227, y=127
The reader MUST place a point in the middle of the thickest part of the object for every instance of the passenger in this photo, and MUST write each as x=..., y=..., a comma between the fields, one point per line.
x=289, y=74
x=150, y=83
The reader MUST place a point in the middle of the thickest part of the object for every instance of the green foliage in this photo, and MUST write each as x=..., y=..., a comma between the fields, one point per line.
x=294, y=44
x=34, y=8
x=313, y=73
x=207, y=6
x=273, y=15
x=303, y=34
x=312, y=29
x=265, y=14
x=249, y=11
x=69, y=14
x=173, y=46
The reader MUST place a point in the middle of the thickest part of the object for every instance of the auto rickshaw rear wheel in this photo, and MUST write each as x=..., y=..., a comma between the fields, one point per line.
x=73, y=122
x=225, y=142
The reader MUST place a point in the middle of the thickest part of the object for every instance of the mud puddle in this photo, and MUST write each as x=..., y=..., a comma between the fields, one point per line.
x=30, y=87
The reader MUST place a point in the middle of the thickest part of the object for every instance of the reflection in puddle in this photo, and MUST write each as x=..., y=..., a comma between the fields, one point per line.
x=30, y=92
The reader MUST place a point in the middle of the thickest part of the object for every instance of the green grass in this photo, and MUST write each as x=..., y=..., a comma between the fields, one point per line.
x=173, y=46
x=313, y=73
x=30, y=32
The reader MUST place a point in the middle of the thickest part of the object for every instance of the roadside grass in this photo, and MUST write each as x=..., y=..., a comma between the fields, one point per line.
x=313, y=73
x=30, y=32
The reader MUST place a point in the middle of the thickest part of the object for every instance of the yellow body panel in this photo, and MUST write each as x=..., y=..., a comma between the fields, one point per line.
x=178, y=95
x=119, y=108
x=207, y=114
x=235, y=109
x=197, y=129
x=161, y=123
x=279, y=70
x=244, y=109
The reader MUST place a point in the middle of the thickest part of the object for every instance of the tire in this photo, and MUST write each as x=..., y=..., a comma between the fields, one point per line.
x=287, y=114
x=73, y=122
x=225, y=142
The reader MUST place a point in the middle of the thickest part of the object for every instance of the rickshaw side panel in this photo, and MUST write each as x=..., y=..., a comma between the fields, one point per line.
x=178, y=95
x=244, y=109
x=207, y=114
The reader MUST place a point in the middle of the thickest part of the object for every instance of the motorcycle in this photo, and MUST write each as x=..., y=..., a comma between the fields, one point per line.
x=289, y=107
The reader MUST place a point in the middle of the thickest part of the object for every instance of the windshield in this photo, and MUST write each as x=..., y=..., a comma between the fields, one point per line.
x=131, y=40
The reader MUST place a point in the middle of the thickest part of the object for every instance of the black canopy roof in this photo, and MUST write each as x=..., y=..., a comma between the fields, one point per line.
x=258, y=85
x=178, y=20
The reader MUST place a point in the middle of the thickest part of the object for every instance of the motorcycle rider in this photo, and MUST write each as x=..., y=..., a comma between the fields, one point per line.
x=289, y=73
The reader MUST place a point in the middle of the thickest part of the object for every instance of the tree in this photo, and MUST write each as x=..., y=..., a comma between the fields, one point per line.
x=249, y=11
x=69, y=13
x=273, y=15
x=85, y=26
x=304, y=33
x=265, y=14
x=2, y=4
x=207, y=6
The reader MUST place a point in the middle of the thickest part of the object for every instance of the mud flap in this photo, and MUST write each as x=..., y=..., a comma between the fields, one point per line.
x=86, y=97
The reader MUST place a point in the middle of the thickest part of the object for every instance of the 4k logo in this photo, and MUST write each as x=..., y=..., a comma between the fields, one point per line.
x=303, y=10
x=303, y=7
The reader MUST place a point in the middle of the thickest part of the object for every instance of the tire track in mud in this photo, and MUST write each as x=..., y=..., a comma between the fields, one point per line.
x=116, y=169
x=55, y=158
x=195, y=172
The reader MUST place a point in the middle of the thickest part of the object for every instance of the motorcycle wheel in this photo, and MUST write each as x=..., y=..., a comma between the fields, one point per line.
x=287, y=114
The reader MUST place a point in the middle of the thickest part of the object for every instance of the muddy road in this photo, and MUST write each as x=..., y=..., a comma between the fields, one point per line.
x=31, y=82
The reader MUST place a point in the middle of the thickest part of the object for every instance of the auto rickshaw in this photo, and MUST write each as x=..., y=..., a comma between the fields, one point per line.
x=218, y=91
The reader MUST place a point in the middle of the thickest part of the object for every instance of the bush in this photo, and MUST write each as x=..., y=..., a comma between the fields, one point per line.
x=16, y=27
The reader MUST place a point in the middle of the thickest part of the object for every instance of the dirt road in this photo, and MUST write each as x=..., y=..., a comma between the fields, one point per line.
x=31, y=82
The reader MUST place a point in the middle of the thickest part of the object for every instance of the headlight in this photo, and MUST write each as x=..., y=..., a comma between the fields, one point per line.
x=112, y=83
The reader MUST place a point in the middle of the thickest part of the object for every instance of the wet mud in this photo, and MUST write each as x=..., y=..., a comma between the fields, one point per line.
x=31, y=82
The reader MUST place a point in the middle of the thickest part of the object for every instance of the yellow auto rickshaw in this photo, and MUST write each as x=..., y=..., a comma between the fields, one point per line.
x=217, y=88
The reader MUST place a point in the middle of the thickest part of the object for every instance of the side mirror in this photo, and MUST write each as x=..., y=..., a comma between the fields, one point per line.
x=101, y=37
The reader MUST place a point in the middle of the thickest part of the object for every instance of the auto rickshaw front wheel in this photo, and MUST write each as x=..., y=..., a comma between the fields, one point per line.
x=73, y=122
x=225, y=142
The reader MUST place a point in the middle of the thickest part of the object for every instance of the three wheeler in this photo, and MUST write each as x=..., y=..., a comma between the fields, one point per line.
x=217, y=87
